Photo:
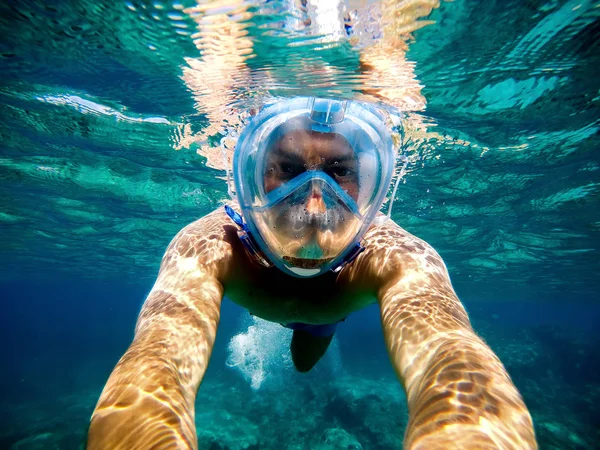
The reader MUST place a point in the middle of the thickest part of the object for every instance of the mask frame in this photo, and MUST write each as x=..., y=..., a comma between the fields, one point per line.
x=365, y=127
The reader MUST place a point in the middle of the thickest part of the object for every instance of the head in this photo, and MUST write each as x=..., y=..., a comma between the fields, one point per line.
x=315, y=226
x=317, y=180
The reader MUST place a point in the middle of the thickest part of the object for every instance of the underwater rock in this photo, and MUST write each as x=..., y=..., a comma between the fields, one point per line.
x=338, y=439
x=44, y=441
x=341, y=412
x=562, y=434
x=374, y=409
x=218, y=429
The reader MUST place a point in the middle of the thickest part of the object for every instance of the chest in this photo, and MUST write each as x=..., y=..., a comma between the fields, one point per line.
x=277, y=297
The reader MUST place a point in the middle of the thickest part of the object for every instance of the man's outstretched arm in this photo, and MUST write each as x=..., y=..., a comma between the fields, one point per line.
x=148, y=401
x=459, y=393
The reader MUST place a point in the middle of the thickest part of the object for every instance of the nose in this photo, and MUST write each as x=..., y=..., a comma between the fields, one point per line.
x=315, y=203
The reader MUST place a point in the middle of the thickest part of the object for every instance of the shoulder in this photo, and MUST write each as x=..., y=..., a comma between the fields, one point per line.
x=400, y=245
x=206, y=242
x=392, y=253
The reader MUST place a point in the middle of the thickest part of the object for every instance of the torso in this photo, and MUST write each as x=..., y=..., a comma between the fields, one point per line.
x=277, y=297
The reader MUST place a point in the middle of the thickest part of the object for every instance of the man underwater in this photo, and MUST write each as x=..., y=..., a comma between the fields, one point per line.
x=307, y=250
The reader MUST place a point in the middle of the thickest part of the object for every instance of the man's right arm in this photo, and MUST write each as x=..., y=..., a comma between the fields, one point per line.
x=148, y=401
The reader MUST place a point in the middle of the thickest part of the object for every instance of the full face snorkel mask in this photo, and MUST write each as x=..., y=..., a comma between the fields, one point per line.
x=310, y=176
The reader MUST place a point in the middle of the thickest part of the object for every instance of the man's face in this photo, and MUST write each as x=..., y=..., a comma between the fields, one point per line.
x=301, y=150
x=315, y=219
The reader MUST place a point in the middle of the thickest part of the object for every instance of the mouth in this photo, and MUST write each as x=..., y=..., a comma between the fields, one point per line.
x=305, y=263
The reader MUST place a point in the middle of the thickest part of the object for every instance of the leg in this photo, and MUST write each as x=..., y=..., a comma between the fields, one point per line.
x=308, y=349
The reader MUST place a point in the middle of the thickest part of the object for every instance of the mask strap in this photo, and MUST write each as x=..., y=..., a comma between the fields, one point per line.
x=246, y=238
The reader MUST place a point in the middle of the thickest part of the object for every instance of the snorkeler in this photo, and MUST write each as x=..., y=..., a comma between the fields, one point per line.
x=305, y=246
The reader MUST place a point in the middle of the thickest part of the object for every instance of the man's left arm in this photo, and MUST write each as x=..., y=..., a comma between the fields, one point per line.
x=459, y=393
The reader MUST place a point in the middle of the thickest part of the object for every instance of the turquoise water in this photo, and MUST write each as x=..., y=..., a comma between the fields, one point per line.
x=112, y=115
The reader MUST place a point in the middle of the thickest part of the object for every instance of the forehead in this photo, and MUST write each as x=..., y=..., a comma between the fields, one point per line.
x=313, y=147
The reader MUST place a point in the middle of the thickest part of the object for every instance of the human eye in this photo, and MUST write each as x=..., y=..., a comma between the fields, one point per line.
x=290, y=169
x=340, y=171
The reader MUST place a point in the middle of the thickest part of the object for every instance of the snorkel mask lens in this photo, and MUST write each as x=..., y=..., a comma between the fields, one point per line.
x=311, y=175
x=311, y=219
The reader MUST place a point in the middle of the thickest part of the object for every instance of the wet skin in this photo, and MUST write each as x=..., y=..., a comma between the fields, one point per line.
x=459, y=394
x=301, y=150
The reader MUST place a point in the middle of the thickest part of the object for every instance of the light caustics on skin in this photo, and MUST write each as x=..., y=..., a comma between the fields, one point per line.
x=148, y=401
x=459, y=393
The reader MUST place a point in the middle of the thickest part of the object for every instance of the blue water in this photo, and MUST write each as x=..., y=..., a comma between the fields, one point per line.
x=111, y=115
